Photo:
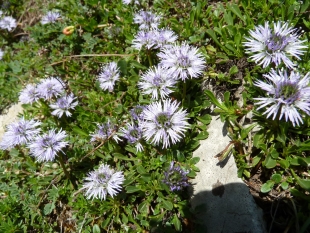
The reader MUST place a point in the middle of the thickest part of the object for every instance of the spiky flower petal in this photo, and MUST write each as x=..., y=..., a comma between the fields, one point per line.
x=50, y=17
x=63, y=105
x=103, y=181
x=287, y=95
x=50, y=87
x=8, y=22
x=147, y=20
x=182, y=61
x=29, y=94
x=19, y=133
x=108, y=75
x=275, y=45
x=164, y=123
x=104, y=132
x=158, y=82
x=133, y=134
x=45, y=147
x=176, y=177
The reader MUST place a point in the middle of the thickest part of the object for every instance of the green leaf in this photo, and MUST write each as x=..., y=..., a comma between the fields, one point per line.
x=124, y=218
x=96, y=229
x=48, y=208
x=256, y=160
x=245, y=131
x=270, y=162
x=132, y=189
x=106, y=222
x=267, y=186
x=206, y=119
x=283, y=163
x=276, y=178
x=235, y=9
x=79, y=131
x=304, y=183
x=122, y=64
x=141, y=169
x=194, y=160
x=177, y=223
x=167, y=205
x=214, y=100
x=284, y=185
x=233, y=70
x=143, y=208
x=122, y=157
x=202, y=135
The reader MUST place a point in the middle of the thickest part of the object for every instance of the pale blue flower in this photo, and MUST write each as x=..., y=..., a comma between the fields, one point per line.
x=164, y=123
x=287, y=95
x=63, y=105
x=275, y=45
x=50, y=17
x=158, y=82
x=8, y=22
x=108, y=75
x=45, y=147
x=144, y=39
x=182, y=61
x=147, y=20
x=137, y=112
x=29, y=94
x=103, y=181
x=20, y=133
x=133, y=134
x=50, y=87
x=104, y=132
x=176, y=177
x=164, y=37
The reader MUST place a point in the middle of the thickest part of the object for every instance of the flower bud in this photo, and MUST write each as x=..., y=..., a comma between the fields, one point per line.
x=68, y=30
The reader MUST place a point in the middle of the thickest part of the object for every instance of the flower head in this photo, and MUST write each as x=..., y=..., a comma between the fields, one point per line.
x=147, y=20
x=8, y=22
x=20, y=133
x=164, y=37
x=287, y=95
x=45, y=147
x=144, y=39
x=63, y=105
x=108, y=76
x=104, y=132
x=158, y=82
x=163, y=122
x=137, y=112
x=274, y=45
x=29, y=94
x=182, y=61
x=50, y=87
x=103, y=181
x=175, y=177
x=133, y=134
x=50, y=17
x=127, y=2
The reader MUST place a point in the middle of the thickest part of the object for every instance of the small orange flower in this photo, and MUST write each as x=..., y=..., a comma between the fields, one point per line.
x=68, y=30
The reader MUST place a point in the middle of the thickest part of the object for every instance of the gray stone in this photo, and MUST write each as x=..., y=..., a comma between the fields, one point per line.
x=221, y=200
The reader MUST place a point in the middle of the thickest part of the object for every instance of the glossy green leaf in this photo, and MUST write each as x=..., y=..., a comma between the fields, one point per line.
x=276, y=178
x=96, y=229
x=267, y=186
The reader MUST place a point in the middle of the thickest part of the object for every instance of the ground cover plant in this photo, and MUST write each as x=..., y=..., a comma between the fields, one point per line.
x=118, y=94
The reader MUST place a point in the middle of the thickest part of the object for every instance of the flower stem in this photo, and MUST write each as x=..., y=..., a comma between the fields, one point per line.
x=149, y=58
x=66, y=172
x=184, y=93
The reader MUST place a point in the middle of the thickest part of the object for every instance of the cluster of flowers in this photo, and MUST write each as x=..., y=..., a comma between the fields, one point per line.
x=50, y=89
x=7, y=22
x=287, y=93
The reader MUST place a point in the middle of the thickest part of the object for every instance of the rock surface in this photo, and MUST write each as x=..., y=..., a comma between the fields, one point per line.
x=222, y=200
x=10, y=116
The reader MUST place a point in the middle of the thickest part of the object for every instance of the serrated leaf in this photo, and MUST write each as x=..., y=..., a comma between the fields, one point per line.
x=48, y=208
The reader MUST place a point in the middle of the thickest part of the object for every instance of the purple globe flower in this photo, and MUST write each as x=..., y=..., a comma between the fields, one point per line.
x=133, y=134
x=182, y=61
x=50, y=17
x=147, y=20
x=8, y=22
x=158, y=82
x=19, y=133
x=104, y=132
x=103, y=181
x=137, y=112
x=63, y=105
x=164, y=37
x=144, y=39
x=108, y=75
x=287, y=95
x=176, y=177
x=50, y=87
x=45, y=147
x=274, y=45
x=29, y=95
x=164, y=123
